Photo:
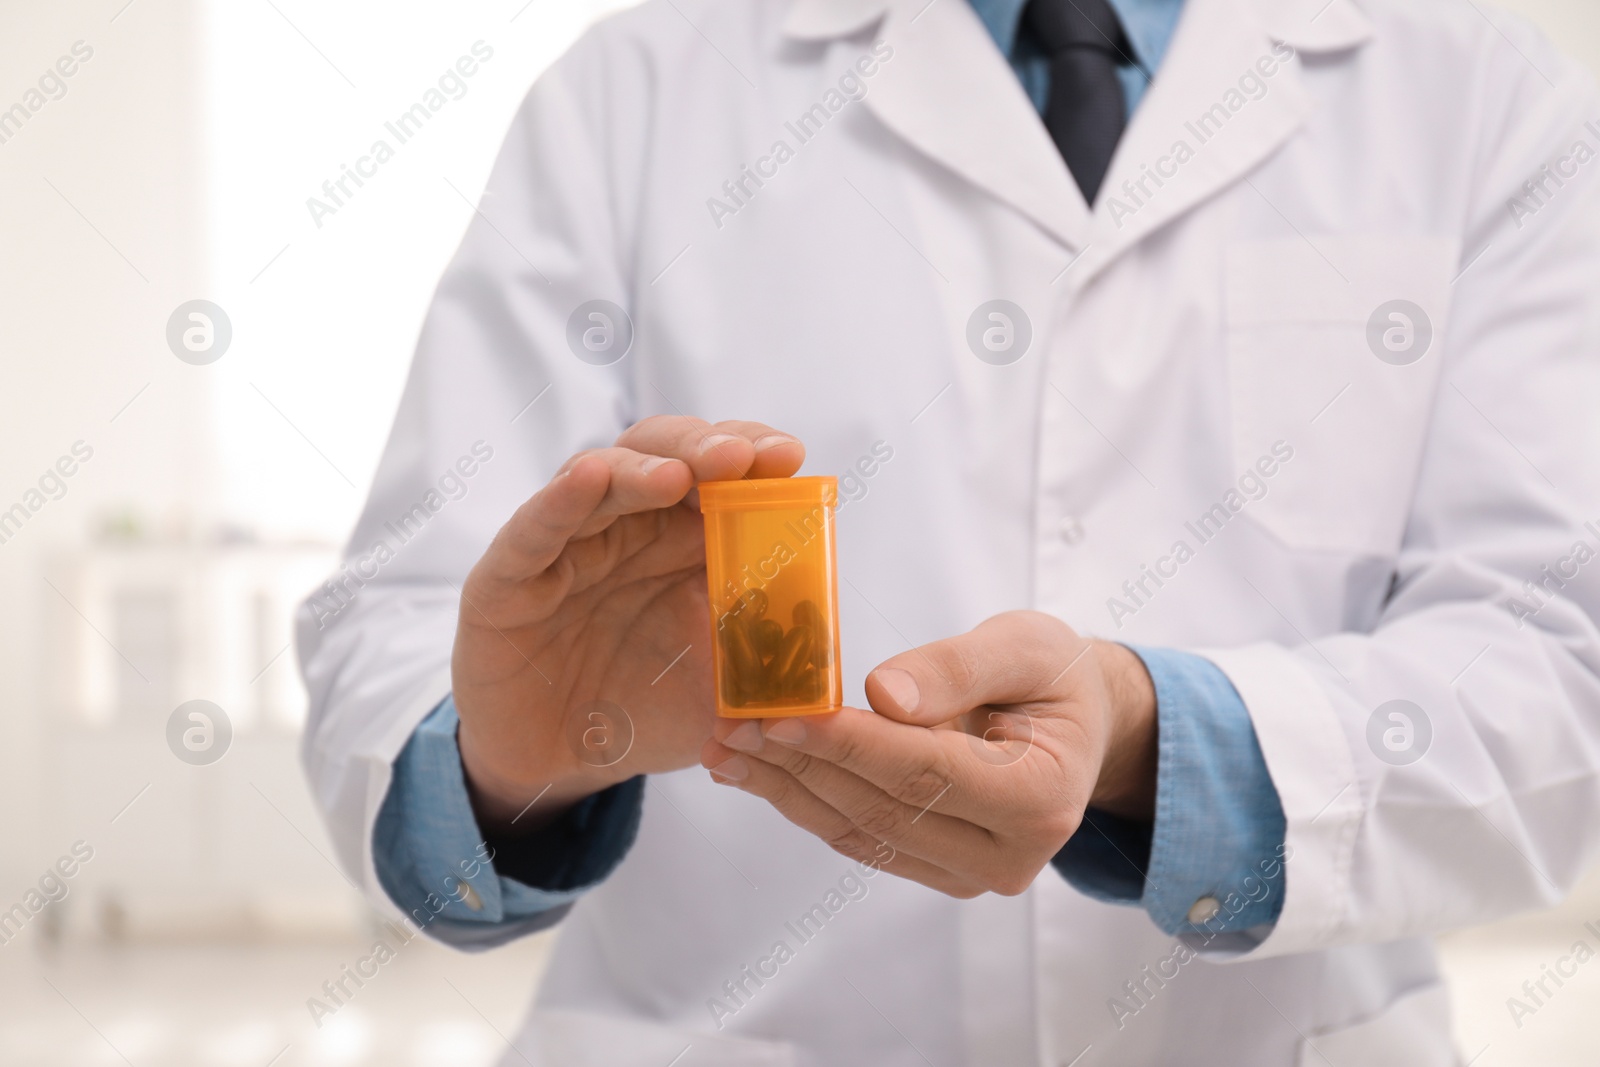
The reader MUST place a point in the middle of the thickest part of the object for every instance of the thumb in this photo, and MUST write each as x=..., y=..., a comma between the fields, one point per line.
x=1008, y=659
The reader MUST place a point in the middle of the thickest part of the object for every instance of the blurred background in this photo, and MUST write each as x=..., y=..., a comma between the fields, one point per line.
x=175, y=476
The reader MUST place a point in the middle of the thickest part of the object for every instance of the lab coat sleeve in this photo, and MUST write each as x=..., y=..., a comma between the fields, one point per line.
x=495, y=401
x=1470, y=801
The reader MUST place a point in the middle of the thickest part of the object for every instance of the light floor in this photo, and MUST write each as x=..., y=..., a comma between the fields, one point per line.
x=245, y=1006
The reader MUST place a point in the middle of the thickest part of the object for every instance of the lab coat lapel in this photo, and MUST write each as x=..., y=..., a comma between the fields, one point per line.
x=1198, y=131
x=950, y=93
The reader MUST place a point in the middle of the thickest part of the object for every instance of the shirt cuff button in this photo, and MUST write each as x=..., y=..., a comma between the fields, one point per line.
x=470, y=897
x=1204, y=910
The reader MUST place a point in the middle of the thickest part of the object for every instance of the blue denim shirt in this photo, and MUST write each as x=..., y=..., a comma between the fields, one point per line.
x=437, y=867
x=1214, y=851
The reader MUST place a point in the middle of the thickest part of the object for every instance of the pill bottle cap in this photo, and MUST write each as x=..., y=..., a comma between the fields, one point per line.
x=761, y=494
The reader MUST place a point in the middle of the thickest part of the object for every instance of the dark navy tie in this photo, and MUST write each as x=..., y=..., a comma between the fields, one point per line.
x=1086, y=111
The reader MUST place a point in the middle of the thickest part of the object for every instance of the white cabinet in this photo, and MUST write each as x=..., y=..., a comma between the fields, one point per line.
x=227, y=848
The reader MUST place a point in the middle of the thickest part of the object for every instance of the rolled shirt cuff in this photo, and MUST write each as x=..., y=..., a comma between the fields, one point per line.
x=453, y=881
x=1209, y=868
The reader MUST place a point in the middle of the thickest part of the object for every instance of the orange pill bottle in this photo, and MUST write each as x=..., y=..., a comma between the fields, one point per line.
x=772, y=577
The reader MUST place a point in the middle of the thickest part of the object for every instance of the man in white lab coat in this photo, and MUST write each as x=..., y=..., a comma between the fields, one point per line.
x=1212, y=387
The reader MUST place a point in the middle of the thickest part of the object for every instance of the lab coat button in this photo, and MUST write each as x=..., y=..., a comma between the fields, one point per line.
x=1071, y=530
x=1204, y=910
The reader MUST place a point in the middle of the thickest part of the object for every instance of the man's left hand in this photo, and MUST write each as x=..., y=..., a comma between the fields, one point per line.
x=977, y=767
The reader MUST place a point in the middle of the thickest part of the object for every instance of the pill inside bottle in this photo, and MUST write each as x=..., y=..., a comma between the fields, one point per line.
x=771, y=573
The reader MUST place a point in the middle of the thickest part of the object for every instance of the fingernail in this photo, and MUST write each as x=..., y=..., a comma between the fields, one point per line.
x=901, y=687
x=717, y=440
x=652, y=463
x=788, y=731
x=746, y=738
x=732, y=770
x=773, y=440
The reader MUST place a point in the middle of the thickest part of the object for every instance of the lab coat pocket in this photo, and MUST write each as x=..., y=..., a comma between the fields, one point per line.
x=1413, y=1031
x=1334, y=350
x=555, y=1037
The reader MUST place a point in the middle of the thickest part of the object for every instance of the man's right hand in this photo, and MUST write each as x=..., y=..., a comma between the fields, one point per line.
x=578, y=607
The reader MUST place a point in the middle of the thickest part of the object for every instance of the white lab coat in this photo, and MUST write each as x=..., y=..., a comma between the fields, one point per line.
x=1176, y=337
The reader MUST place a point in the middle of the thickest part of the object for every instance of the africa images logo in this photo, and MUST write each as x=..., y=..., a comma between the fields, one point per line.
x=1399, y=733
x=199, y=732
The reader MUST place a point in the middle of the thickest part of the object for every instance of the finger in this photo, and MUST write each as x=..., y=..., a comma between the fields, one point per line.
x=639, y=482
x=943, y=840
x=1012, y=658
x=615, y=479
x=807, y=811
x=730, y=449
x=712, y=454
x=778, y=455
x=921, y=768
